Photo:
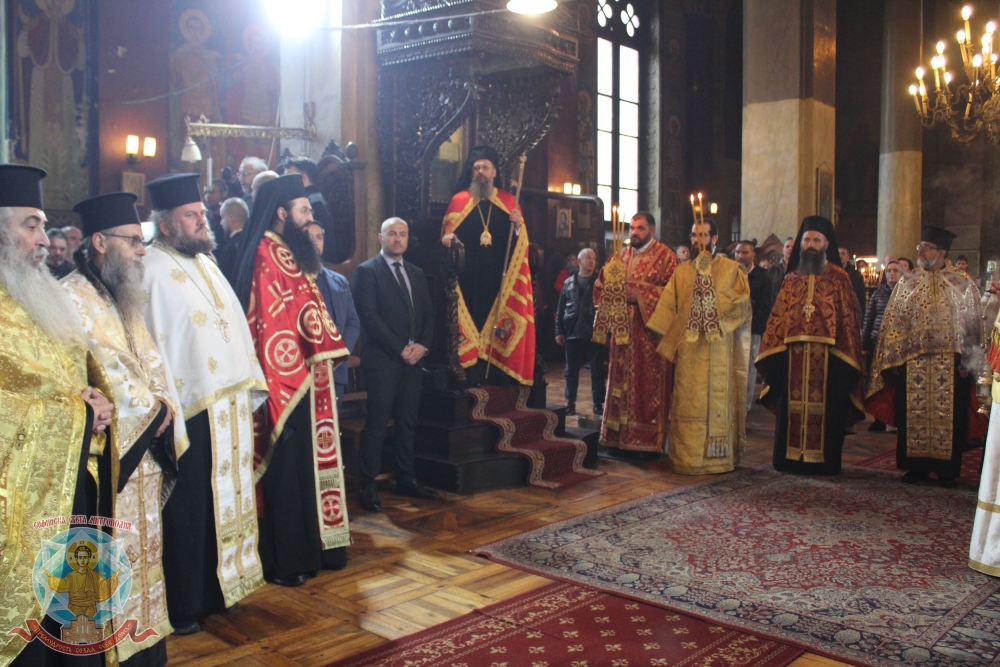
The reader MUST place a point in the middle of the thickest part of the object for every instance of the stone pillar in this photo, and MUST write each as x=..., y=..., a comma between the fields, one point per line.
x=4, y=138
x=790, y=54
x=900, y=155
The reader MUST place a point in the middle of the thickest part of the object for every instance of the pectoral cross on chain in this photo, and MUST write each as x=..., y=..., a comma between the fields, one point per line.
x=222, y=326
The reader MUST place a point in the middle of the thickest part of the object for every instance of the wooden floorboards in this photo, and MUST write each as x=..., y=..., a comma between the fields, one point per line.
x=408, y=568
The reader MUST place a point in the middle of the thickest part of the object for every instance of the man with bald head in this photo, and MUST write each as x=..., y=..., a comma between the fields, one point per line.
x=575, y=328
x=394, y=306
x=259, y=180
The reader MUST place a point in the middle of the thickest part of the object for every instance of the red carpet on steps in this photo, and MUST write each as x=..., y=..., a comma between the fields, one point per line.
x=554, y=462
x=562, y=625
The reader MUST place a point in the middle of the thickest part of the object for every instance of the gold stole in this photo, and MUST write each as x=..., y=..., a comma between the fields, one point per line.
x=808, y=364
x=930, y=406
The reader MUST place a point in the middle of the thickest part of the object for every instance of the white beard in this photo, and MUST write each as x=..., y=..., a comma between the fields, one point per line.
x=34, y=289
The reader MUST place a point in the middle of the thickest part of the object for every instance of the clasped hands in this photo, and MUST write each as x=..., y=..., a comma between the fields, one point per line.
x=102, y=408
x=413, y=353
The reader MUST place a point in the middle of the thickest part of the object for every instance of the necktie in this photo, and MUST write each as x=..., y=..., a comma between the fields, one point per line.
x=398, y=267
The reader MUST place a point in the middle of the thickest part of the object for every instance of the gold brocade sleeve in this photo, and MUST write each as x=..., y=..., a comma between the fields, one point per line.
x=43, y=421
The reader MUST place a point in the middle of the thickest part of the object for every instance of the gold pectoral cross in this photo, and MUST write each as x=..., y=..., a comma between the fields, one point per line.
x=810, y=293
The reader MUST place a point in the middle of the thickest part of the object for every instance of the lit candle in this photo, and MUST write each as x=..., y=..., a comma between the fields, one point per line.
x=966, y=14
x=960, y=37
x=936, y=66
x=701, y=209
x=694, y=210
x=916, y=100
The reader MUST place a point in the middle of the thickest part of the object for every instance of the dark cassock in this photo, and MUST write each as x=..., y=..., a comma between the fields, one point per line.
x=810, y=358
x=479, y=216
x=301, y=497
x=926, y=362
x=210, y=522
x=128, y=369
x=43, y=372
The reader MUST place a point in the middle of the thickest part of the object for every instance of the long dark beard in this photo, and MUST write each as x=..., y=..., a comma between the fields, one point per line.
x=123, y=278
x=812, y=263
x=481, y=190
x=302, y=247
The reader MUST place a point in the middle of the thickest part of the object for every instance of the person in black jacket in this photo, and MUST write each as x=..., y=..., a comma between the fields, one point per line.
x=857, y=280
x=574, y=329
x=873, y=320
x=397, y=318
x=761, y=300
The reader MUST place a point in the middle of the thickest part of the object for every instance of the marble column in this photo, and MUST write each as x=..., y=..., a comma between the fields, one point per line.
x=4, y=133
x=900, y=156
x=790, y=53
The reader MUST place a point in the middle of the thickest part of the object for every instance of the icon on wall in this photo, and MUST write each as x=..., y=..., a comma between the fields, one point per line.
x=564, y=223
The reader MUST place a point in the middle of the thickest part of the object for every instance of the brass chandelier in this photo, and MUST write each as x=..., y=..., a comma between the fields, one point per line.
x=968, y=108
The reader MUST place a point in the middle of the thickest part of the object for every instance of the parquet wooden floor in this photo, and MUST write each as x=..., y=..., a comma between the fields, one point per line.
x=408, y=569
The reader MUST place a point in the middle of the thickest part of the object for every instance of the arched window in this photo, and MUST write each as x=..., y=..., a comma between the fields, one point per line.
x=618, y=98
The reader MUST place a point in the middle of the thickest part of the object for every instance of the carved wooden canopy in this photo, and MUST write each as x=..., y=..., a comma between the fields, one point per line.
x=464, y=64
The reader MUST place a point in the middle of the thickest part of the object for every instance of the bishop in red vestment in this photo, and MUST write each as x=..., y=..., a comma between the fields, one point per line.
x=480, y=217
x=300, y=490
x=637, y=404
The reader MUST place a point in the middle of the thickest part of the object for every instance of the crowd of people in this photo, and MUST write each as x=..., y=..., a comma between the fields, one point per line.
x=188, y=384
x=701, y=328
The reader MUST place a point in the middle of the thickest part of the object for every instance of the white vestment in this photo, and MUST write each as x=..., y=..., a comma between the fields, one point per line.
x=984, y=552
x=200, y=329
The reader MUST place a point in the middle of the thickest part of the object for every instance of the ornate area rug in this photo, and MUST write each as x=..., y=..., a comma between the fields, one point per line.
x=553, y=462
x=561, y=625
x=971, y=462
x=858, y=567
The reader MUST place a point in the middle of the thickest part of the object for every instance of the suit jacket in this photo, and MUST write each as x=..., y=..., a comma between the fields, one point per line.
x=228, y=257
x=384, y=312
x=336, y=293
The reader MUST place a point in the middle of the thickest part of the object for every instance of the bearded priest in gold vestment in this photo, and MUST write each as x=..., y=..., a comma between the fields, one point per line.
x=107, y=291
x=926, y=362
x=704, y=318
x=48, y=413
x=637, y=403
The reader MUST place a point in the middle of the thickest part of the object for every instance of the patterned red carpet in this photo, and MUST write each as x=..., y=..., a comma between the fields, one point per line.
x=554, y=462
x=561, y=625
x=971, y=462
x=859, y=567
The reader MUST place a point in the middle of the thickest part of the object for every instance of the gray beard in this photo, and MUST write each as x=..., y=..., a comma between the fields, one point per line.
x=34, y=289
x=812, y=264
x=481, y=190
x=123, y=278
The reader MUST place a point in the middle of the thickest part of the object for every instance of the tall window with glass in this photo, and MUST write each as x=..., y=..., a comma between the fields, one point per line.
x=618, y=149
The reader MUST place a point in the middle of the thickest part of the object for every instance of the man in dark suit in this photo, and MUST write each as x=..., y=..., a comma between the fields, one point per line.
x=395, y=310
x=336, y=293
